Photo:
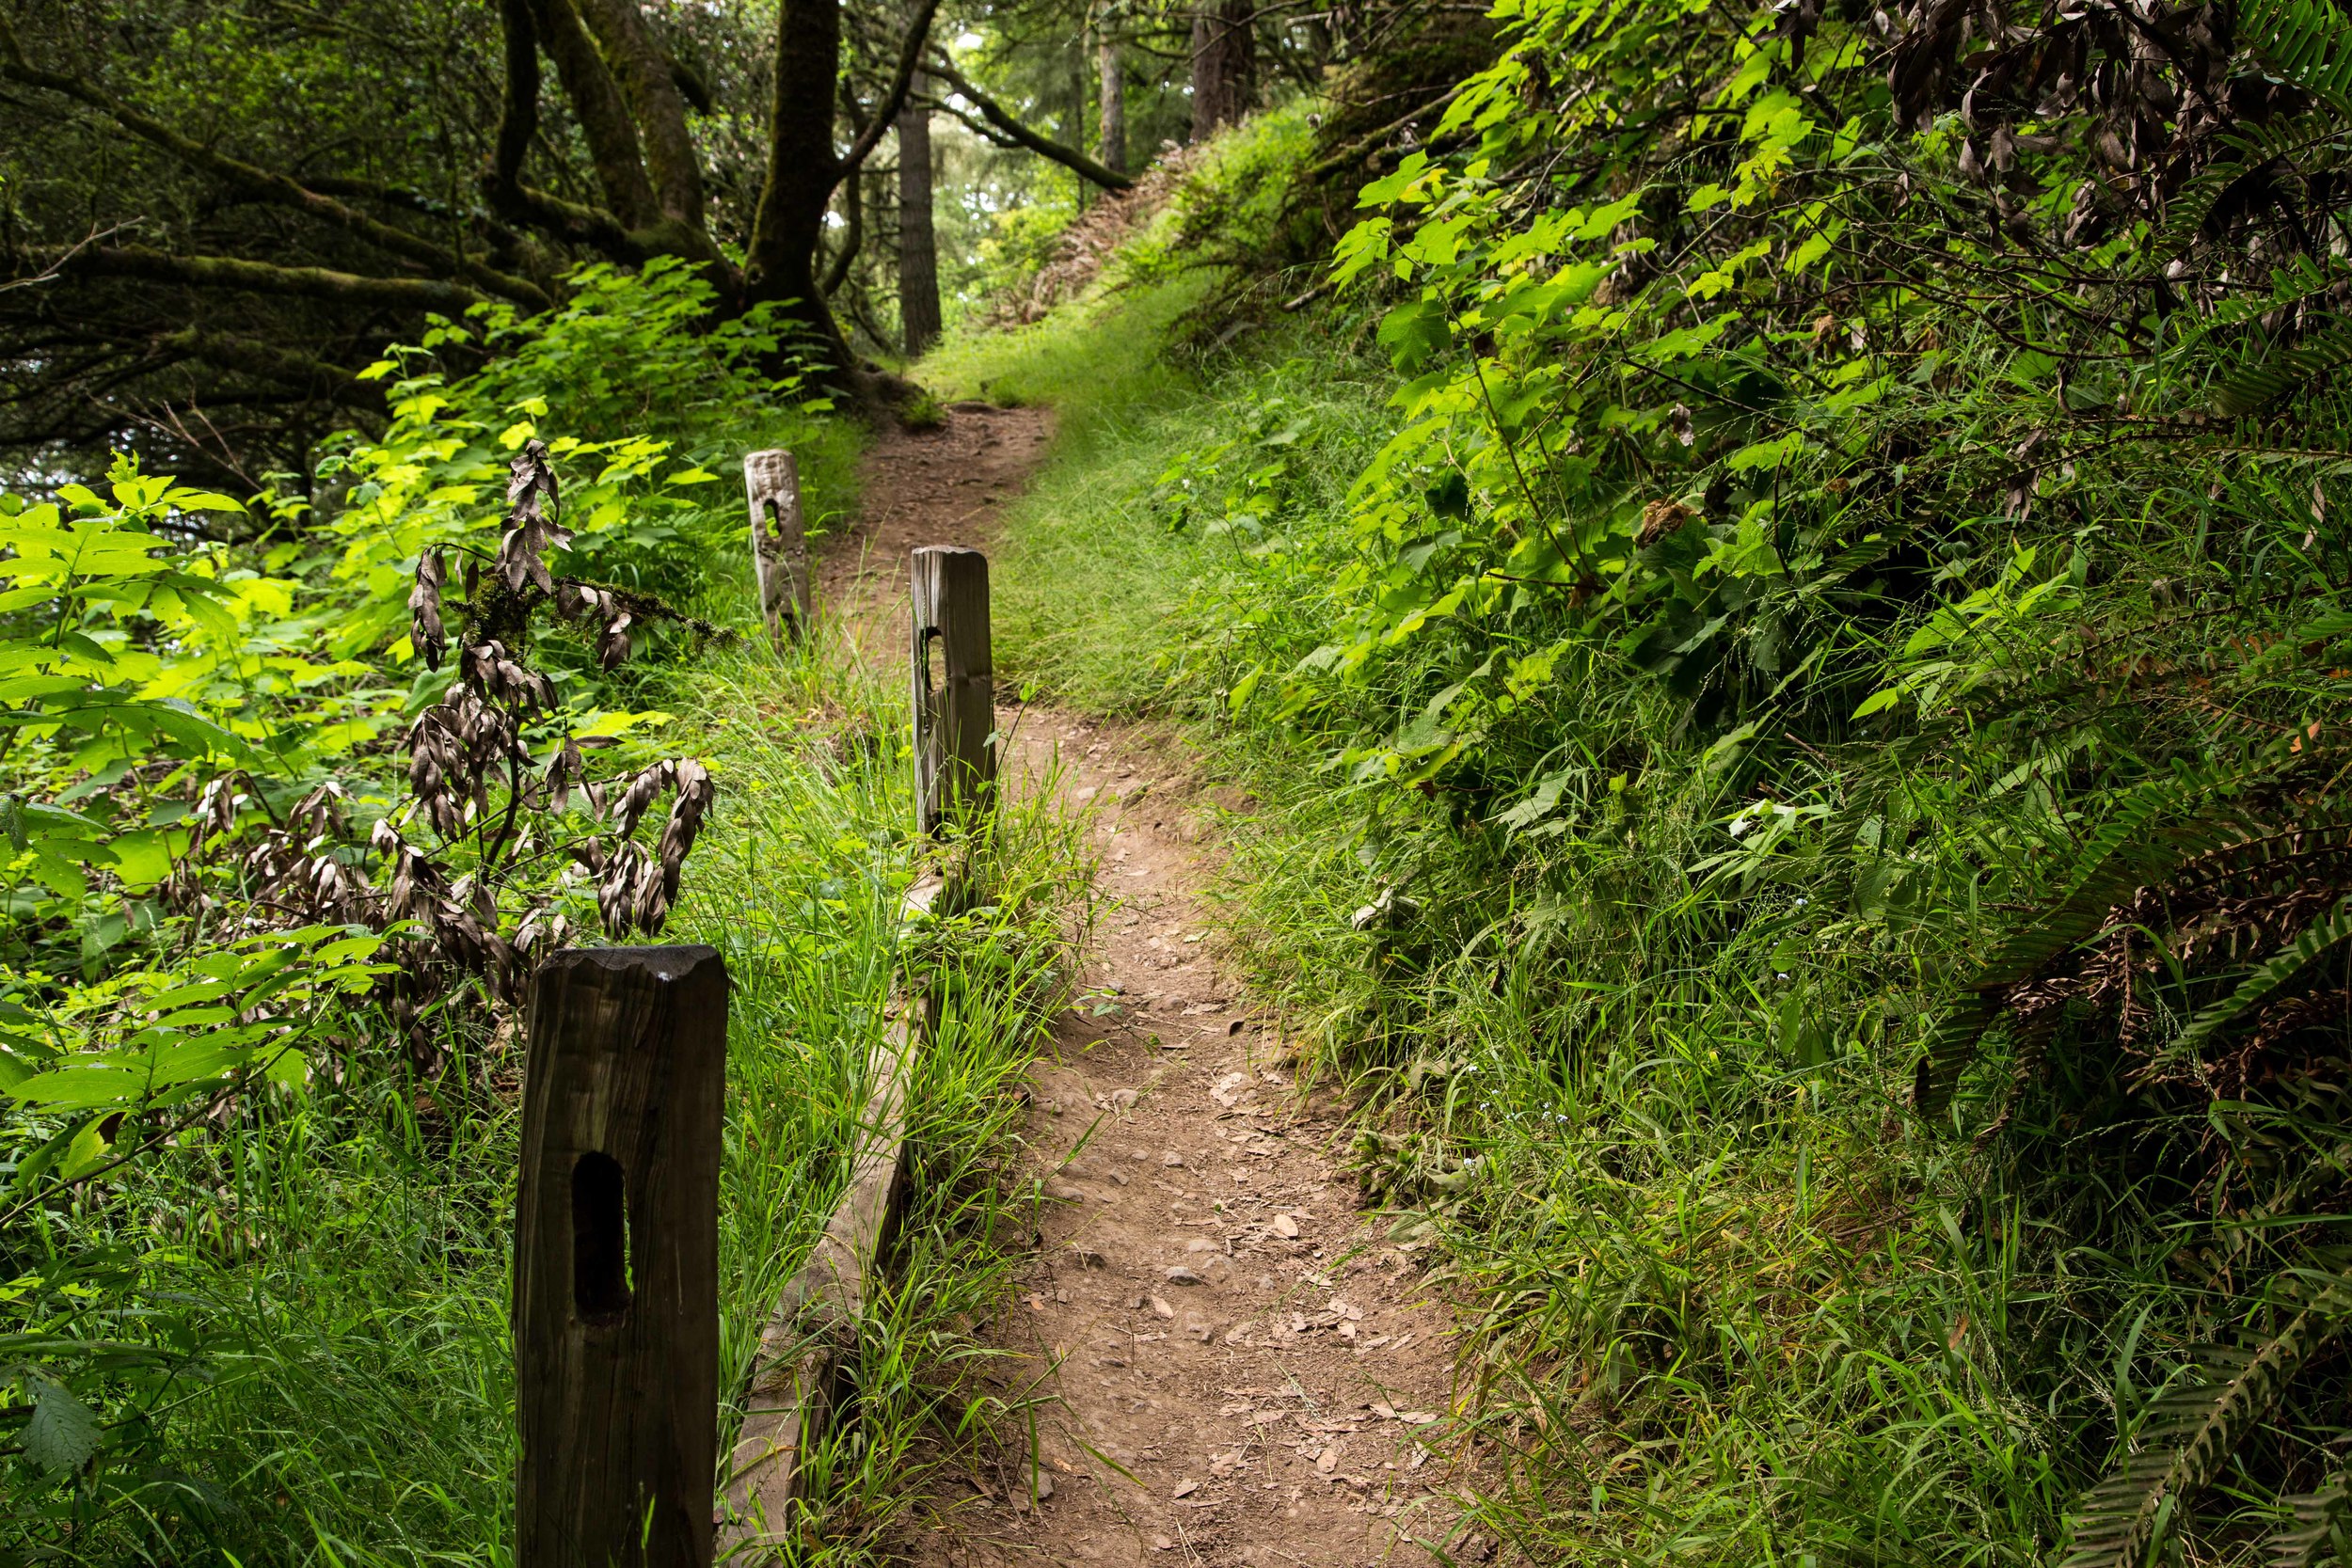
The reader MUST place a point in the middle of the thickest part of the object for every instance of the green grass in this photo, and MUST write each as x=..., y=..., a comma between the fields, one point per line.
x=1099, y=363
x=1117, y=563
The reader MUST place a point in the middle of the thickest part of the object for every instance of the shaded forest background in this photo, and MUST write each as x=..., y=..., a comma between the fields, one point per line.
x=215, y=216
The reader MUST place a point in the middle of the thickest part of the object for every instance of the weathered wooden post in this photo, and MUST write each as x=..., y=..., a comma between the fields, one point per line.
x=955, y=709
x=616, y=1259
x=771, y=481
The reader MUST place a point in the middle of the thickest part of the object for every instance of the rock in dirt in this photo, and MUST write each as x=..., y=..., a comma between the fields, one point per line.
x=1160, y=1307
x=1285, y=1226
x=1183, y=1276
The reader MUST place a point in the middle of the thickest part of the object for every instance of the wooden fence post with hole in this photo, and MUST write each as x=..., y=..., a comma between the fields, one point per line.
x=616, y=1259
x=771, y=482
x=954, y=707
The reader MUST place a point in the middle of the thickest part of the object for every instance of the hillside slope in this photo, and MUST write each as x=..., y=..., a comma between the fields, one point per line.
x=1790, y=636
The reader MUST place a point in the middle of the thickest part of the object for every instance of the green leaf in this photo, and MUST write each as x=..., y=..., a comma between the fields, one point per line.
x=63, y=1433
x=1414, y=332
x=1879, y=701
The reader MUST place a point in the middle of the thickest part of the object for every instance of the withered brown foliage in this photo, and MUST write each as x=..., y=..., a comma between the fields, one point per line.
x=466, y=872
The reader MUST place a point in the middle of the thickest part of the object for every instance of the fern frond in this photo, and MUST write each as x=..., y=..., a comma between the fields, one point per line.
x=2189, y=1434
x=2245, y=153
x=2282, y=968
x=2135, y=845
x=2258, y=862
x=2318, y=1517
x=2311, y=362
x=1948, y=1050
x=2308, y=42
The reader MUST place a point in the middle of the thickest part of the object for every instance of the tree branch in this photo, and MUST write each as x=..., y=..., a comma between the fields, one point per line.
x=910, y=60
x=253, y=356
x=577, y=223
x=1370, y=140
x=376, y=190
x=1044, y=147
x=230, y=272
x=264, y=184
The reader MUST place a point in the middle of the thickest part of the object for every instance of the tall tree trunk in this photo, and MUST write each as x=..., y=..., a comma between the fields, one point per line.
x=802, y=169
x=519, y=109
x=780, y=263
x=1075, y=126
x=649, y=85
x=1224, y=64
x=1112, y=102
x=603, y=114
x=918, y=248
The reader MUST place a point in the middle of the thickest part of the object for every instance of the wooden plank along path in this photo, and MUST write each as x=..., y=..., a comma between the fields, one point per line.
x=799, y=1378
x=811, y=1336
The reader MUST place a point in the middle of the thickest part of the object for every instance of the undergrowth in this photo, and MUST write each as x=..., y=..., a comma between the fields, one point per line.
x=278, y=1332
x=1791, y=702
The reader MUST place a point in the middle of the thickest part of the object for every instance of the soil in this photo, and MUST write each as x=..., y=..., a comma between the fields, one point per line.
x=1240, y=1365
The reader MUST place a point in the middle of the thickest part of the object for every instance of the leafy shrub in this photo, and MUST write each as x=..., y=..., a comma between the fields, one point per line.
x=264, y=836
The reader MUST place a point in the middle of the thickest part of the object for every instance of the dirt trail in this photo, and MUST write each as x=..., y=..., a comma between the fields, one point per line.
x=1238, y=1363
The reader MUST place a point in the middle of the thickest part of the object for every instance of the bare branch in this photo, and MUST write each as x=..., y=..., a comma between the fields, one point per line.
x=1012, y=130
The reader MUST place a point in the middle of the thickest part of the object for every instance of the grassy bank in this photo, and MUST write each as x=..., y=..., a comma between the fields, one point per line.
x=1790, y=984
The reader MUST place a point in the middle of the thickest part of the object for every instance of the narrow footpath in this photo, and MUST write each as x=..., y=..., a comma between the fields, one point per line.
x=1239, y=1365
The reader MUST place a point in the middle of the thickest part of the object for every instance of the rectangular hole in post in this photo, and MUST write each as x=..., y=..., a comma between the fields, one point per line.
x=600, y=1238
